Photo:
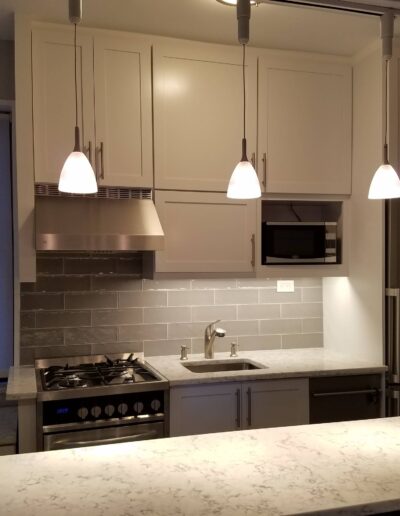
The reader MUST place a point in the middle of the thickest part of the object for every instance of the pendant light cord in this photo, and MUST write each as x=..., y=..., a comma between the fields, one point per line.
x=76, y=81
x=244, y=91
x=386, y=121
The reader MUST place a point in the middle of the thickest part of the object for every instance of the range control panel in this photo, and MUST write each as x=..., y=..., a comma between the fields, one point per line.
x=140, y=405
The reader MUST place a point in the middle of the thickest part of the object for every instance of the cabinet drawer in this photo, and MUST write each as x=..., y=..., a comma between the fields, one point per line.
x=345, y=398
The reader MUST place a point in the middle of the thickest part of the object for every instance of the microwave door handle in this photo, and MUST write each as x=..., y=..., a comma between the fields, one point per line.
x=110, y=440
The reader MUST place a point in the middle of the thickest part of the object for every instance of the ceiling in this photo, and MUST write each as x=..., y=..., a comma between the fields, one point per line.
x=272, y=26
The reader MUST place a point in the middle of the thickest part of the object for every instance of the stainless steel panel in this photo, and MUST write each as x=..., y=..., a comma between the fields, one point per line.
x=301, y=223
x=393, y=400
x=103, y=423
x=90, y=224
x=392, y=355
x=119, y=434
x=274, y=259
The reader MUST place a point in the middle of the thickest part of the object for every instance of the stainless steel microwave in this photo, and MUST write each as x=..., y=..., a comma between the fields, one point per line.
x=299, y=243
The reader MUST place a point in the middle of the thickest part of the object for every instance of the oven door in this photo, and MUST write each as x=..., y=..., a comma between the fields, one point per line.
x=98, y=436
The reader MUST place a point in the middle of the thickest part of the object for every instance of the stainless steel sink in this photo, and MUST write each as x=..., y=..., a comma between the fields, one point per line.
x=220, y=366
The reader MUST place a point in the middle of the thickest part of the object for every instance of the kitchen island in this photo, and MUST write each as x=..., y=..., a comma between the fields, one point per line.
x=337, y=468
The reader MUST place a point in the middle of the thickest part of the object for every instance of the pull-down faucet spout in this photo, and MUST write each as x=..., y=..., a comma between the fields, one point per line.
x=209, y=336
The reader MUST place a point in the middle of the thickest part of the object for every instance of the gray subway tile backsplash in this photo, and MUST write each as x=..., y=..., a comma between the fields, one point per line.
x=88, y=303
x=151, y=298
x=236, y=297
x=91, y=300
x=117, y=316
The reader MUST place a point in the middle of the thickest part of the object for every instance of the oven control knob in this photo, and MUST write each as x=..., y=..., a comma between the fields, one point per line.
x=95, y=411
x=138, y=407
x=122, y=409
x=155, y=405
x=109, y=410
x=83, y=412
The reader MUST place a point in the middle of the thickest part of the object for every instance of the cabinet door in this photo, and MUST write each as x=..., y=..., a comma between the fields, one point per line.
x=122, y=71
x=204, y=409
x=198, y=114
x=205, y=232
x=54, y=98
x=272, y=403
x=304, y=129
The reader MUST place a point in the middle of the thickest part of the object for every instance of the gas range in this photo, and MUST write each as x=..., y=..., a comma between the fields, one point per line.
x=95, y=375
x=99, y=399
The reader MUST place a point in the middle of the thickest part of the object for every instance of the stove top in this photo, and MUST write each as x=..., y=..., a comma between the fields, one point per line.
x=95, y=375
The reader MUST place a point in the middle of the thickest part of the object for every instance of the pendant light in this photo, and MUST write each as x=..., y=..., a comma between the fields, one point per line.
x=386, y=183
x=77, y=174
x=234, y=2
x=244, y=183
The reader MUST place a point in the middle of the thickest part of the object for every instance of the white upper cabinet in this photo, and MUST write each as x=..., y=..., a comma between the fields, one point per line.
x=54, y=98
x=122, y=77
x=205, y=232
x=198, y=114
x=114, y=90
x=304, y=126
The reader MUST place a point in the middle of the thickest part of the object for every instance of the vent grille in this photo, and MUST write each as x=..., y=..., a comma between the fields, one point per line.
x=105, y=192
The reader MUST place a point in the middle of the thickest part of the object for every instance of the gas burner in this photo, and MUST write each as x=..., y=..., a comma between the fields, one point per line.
x=72, y=381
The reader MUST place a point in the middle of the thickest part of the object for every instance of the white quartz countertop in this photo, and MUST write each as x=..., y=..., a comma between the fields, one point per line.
x=21, y=383
x=337, y=468
x=284, y=363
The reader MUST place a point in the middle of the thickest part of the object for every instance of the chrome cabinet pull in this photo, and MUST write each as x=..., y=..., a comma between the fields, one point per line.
x=102, y=160
x=253, y=250
x=249, y=406
x=344, y=393
x=238, y=408
x=88, y=152
x=264, y=180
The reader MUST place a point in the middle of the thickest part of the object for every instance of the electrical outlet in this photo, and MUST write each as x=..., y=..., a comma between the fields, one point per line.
x=285, y=286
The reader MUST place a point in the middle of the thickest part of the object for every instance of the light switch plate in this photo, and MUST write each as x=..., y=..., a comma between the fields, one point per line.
x=285, y=286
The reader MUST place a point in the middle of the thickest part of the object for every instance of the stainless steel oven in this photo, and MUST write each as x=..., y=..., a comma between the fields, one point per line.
x=99, y=400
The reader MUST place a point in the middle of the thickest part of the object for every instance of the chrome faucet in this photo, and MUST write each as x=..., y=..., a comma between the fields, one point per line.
x=209, y=336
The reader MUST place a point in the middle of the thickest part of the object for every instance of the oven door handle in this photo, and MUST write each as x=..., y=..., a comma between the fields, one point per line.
x=110, y=440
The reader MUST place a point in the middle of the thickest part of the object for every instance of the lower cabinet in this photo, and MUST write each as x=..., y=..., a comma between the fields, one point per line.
x=229, y=406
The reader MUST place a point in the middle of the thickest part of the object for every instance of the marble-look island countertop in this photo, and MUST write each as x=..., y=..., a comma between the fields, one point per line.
x=337, y=468
x=280, y=363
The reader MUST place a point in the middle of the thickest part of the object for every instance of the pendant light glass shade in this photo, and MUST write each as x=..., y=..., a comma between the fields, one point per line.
x=234, y=2
x=385, y=184
x=77, y=175
x=244, y=182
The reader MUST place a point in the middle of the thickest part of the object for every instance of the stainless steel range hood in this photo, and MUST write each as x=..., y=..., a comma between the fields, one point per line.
x=96, y=224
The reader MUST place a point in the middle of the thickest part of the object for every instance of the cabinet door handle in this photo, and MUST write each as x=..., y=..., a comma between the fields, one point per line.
x=249, y=406
x=344, y=393
x=238, y=408
x=89, y=153
x=101, y=160
x=253, y=160
x=264, y=180
x=253, y=250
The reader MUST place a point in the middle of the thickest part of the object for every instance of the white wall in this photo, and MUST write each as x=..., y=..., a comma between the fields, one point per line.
x=353, y=306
